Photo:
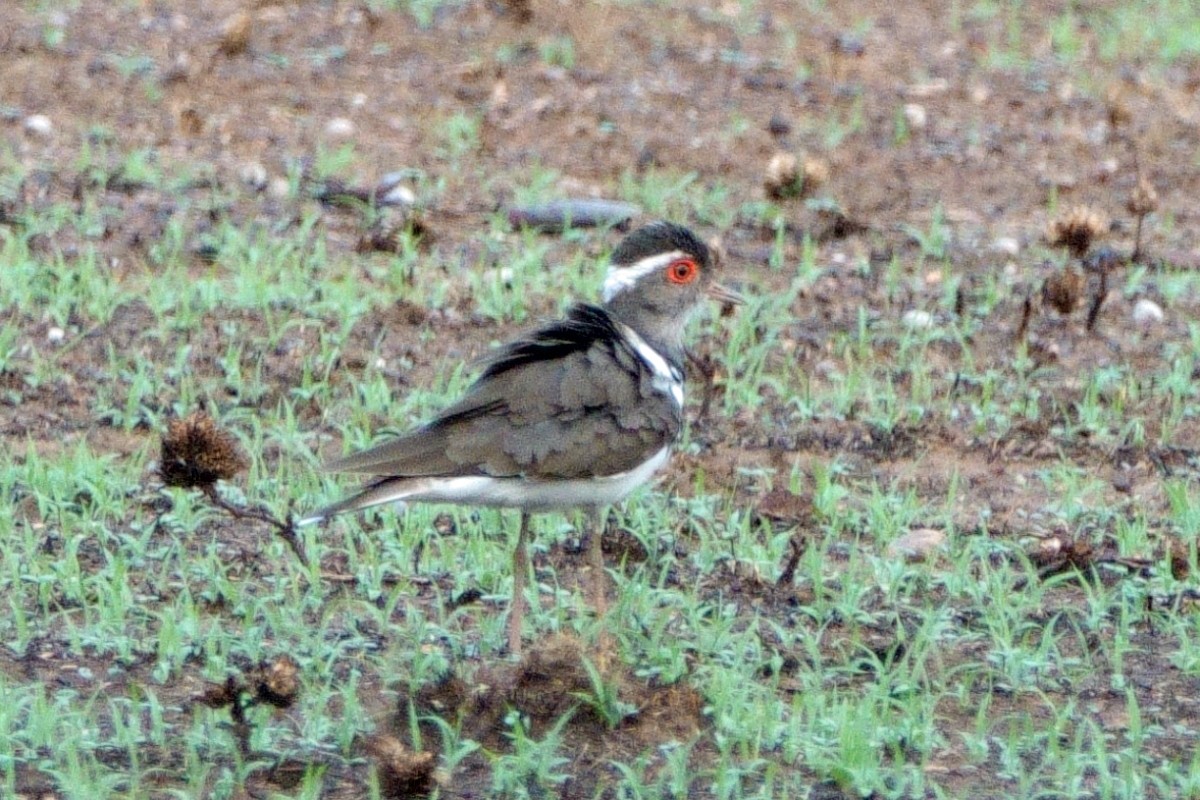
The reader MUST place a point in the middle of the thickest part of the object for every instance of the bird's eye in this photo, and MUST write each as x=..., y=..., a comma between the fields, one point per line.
x=682, y=271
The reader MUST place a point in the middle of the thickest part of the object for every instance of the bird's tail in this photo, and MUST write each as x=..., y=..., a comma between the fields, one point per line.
x=384, y=490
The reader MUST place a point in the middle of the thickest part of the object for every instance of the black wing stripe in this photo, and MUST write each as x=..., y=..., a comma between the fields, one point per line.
x=584, y=326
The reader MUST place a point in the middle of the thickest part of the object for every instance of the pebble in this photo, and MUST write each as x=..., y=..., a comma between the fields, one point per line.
x=916, y=319
x=398, y=196
x=55, y=335
x=827, y=368
x=39, y=125
x=930, y=88
x=1008, y=245
x=1146, y=312
x=391, y=180
x=916, y=545
x=279, y=188
x=916, y=116
x=254, y=175
x=339, y=128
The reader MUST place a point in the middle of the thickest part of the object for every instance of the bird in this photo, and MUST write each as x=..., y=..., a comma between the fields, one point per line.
x=576, y=413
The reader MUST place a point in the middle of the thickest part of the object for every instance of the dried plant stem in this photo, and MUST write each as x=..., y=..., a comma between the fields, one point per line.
x=1098, y=300
x=285, y=529
x=1026, y=315
x=708, y=370
x=1137, y=239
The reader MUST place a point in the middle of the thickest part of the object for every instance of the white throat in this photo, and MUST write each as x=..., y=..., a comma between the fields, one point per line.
x=667, y=379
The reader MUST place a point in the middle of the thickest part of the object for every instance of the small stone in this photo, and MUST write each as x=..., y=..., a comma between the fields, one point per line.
x=827, y=368
x=929, y=88
x=254, y=175
x=917, y=320
x=499, y=95
x=916, y=545
x=933, y=277
x=339, y=128
x=1008, y=245
x=778, y=125
x=55, y=335
x=39, y=125
x=504, y=275
x=1146, y=312
x=398, y=196
x=391, y=180
x=280, y=188
x=916, y=116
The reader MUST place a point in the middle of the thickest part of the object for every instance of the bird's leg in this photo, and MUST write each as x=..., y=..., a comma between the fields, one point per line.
x=596, y=519
x=516, y=609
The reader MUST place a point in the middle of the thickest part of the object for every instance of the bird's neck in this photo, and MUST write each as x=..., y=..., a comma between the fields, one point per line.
x=663, y=334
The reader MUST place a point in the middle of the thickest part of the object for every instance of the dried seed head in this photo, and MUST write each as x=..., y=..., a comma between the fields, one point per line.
x=277, y=683
x=1063, y=290
x=445, y=525
x=521, y=10
x=816, y=174
x=1143, y=199
x=1076, y=229
x=235, y=33
x=402, y=773
x=197, y=453
x=783, y=178
x=788, y=176
x=1117, y=108
x=1181, y=562
x=219, y=695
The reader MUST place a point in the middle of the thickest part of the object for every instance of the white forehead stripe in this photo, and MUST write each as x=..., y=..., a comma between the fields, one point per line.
x=621, y=278
x=666, y=378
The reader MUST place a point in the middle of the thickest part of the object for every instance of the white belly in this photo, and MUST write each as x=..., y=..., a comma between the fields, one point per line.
x=534, y=495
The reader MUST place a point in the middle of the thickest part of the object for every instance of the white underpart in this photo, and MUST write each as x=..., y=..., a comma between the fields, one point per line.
x=666, y=378
x=621, y=278
x=526, y=493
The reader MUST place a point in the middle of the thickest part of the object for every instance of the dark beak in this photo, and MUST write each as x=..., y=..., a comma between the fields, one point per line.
x=725, y=295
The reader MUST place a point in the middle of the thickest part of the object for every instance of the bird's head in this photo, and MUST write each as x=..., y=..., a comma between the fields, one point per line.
x=657, y=278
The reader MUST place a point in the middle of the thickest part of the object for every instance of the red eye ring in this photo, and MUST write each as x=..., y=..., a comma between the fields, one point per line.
x=682, y=271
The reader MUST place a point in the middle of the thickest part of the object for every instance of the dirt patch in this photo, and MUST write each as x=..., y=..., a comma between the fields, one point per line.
x=554, y=693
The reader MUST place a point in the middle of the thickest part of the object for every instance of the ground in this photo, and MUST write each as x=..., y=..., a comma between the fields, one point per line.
x=931, y=531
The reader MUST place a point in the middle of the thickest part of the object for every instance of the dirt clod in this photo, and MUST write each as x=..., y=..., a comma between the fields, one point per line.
x=916, y=545
x=402, y=772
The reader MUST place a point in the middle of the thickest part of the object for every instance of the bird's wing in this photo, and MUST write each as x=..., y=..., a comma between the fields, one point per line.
x=570, y=400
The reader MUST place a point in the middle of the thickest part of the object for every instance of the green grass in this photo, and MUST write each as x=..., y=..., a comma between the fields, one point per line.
x=976, y=673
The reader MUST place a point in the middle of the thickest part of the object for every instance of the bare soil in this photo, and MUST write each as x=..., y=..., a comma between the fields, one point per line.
x=701, y=90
